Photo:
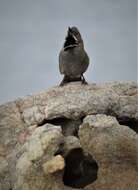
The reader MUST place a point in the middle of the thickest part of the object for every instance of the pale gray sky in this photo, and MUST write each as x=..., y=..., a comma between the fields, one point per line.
x=32, y=33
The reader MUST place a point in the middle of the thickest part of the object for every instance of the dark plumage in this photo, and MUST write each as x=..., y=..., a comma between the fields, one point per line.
x=73, y=60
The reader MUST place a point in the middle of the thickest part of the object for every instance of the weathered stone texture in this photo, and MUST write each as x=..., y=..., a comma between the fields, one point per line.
x=91, y=129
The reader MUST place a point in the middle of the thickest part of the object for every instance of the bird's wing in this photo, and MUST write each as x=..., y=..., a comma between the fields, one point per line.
x=85, y=62
x=60, y=62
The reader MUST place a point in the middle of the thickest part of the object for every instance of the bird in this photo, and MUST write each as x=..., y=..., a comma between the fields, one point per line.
x=73, y=59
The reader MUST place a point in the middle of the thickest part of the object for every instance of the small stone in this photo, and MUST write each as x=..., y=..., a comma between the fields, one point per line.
x=55, y=164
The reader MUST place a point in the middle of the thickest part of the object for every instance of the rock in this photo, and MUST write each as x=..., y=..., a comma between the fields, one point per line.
x=4, y=175
x=114, y=147
x=57, y=163
x=40, y=139
x=74, y=101
x=69, y=126
x=38, y=153
x=70, y=143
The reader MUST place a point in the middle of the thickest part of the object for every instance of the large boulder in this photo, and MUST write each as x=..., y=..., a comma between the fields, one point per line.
x=115, y=149
x=75, y=136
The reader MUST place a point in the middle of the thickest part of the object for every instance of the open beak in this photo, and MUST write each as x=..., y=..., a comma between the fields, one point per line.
x=70, y=33
x=71, y=40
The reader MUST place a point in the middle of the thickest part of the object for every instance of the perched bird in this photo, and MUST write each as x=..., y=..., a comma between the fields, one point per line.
x=73, y=60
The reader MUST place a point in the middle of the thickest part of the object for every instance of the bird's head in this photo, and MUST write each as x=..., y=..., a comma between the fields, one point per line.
x=73, y=38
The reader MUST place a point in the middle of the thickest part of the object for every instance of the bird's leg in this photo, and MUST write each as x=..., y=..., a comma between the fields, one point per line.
x=83, y=80
x=64, y=81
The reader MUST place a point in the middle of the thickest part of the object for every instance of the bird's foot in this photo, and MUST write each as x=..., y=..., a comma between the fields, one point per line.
x=64, y=81
x=83, y=80
x=68, y=80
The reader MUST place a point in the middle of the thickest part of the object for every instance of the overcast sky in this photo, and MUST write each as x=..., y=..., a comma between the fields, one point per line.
x=32, y=33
